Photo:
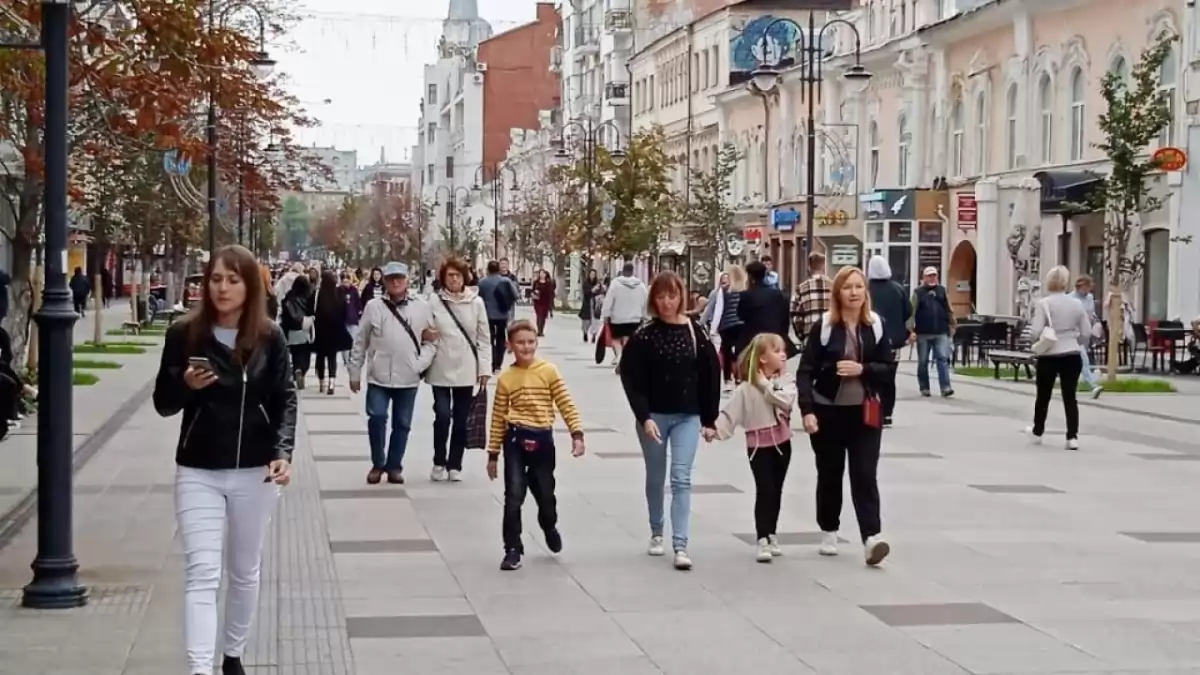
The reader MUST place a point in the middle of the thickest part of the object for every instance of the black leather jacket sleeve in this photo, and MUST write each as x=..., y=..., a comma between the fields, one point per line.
x=171, y=394
x=281, y=399
x=808, y=370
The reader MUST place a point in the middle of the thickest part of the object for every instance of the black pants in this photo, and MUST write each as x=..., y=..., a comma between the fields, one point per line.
x=770, y=467
x=326, y=360
x=729, y=351
x=451, y=408
x=887, y=392
x=80, y=303
x=528, y=468
x=300, y=357
x=841, y=434
x=498, y=328
x=541, y=319
x=1067, y=369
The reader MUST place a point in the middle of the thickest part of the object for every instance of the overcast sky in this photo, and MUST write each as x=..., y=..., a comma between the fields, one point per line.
x=366, y=57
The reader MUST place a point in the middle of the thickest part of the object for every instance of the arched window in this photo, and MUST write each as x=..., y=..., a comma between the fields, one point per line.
x=1046, y=117
x=1120, y=68
x=1010, y=128
x=703, y=74
x=902, y=138
x=1168, y=77
x=1078, y=91
x=873, y=140
x=957, y=131
x=981, y=120
x=780, y=169
x=798, y=164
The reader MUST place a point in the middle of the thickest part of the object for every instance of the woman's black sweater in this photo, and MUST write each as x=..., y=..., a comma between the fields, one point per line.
x=671, y=369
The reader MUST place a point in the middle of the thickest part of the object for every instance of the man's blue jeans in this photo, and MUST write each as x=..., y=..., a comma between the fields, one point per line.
x=402, y=400
x=940, y=345
x=1090, y=376
x=682, y=433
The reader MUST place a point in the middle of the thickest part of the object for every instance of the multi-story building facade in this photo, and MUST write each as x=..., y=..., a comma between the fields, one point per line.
x=597, y=37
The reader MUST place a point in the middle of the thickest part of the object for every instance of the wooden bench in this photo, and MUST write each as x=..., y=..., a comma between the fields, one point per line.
x=1014, y=359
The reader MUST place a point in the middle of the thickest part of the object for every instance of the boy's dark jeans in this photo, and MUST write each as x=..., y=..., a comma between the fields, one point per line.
x=528, y=465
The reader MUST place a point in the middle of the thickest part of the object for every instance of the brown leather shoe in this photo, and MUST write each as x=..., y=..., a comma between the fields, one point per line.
x=374, y=476
x=395, y=478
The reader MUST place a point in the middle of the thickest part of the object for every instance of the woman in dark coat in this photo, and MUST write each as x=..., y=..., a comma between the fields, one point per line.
x=373, y=287
x=588, y=313
x=543, y=299
x=330, y=324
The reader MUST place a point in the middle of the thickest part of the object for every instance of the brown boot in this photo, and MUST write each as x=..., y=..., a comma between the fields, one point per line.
x=395, y=478
x=374, y=476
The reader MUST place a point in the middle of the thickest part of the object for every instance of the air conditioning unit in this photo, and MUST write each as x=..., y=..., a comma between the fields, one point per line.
x=481, y=67
x=478, y=78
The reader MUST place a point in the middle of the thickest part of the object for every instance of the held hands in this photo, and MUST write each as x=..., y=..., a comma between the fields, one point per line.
x=577, y=447
x=810, y=424
x=493, y=466
x=355, y=386
x=708, y=433
x=198, y=378
x=849, y=368
x=280, y=472
x=430, y=335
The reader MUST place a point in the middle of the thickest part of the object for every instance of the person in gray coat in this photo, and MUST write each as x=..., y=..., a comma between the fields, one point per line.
x=499, y=295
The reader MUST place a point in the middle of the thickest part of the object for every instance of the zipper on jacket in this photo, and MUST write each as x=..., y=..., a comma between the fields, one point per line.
x=237, y=462
x=188, y=434
x=264, y=412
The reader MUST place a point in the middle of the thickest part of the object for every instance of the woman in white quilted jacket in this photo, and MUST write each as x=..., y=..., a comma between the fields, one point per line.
x=462, y=362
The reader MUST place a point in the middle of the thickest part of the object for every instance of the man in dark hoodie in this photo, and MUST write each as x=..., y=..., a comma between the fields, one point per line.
x=892, y=304
x=762, y=309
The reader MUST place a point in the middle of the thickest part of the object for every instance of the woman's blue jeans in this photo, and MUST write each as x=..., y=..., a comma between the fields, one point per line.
x=682, y=434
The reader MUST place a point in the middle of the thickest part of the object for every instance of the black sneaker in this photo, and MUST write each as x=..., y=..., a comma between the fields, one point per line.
x=232, y=665
x=553, y=540
x=887, y=421
x=925, y=393
x=948, y=393
x=512, y=561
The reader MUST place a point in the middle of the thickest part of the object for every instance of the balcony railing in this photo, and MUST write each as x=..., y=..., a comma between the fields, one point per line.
x=618, y=21
x=587, y=38
x=617, y=93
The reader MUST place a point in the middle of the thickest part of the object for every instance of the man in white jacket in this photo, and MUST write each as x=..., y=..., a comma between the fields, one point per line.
x=624, y=308
x=397, y=337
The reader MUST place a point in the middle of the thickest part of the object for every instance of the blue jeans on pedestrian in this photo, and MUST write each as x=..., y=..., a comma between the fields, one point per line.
x=1090, y=376
x=940, y=345
x=402, y=400
x=682, y=433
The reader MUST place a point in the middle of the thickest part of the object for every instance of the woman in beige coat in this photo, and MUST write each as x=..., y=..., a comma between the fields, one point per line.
x=462, y=362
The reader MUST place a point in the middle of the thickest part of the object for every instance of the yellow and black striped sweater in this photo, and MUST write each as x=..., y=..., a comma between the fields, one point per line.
x=526, y=396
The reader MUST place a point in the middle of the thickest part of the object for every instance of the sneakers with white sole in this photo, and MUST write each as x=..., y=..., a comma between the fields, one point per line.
x=656, y=546
x=438, y=474
x=1072, y=443
x=682, y=560
x=1033, y=438
x=763, y=554
x=875, y=550
x=773, y=545
x=829, y=541
x=454, y=475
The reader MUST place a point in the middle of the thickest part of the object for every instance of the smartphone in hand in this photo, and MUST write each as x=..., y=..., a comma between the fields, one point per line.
x=200, y=363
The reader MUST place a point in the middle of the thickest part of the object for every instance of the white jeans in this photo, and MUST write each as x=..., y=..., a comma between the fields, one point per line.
x=209, y=504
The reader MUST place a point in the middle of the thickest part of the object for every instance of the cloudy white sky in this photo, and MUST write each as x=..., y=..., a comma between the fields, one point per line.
x=366, y=58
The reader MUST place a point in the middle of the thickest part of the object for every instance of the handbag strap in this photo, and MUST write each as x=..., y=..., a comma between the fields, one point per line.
x=461, y=327
x=1046, y=309
x=404, y=322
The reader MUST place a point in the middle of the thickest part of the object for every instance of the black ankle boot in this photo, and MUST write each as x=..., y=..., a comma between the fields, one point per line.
x=232, y=665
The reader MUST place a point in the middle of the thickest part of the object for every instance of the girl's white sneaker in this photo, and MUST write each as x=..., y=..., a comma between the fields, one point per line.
x=682, y=560
x=1033, y=438
x=829, y=542
x=773, y=545
x=656, y=546
x=876, y=549
x=763, y=555
x=1072, y=443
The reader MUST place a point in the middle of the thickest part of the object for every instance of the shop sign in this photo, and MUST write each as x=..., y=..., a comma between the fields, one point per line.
x=753, y=233
x=843, y=254
x=968, y=211
x=784, y=220
x=833, y=218
x=1170, y=159
x=889, y=204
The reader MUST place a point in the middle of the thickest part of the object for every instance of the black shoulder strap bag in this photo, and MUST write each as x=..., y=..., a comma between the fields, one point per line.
x=404, y=322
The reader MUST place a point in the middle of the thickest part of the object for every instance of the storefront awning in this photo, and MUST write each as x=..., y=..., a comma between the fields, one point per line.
x=1067, y=192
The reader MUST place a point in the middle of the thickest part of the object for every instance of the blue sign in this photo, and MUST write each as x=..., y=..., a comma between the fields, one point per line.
x=174, y=163
x=784, y=220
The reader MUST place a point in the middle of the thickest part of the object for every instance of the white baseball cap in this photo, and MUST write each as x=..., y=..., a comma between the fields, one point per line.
x=928, y=271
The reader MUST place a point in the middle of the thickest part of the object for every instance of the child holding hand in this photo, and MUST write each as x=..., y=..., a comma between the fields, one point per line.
x=761, y=405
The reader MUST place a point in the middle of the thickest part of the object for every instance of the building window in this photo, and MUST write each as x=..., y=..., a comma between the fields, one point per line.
x=1010, y=128
x=696, y=72
x=449, y=167
x=870, y=22
x=716, y=67
x=902, y=140
x=957, y=132
x=1077, y=114
x=1046, y=115
x=873, y=139
x=429, y=173
x=1167, y=79
x=431, y=132
x=650, y=94
x=706, y=72
x=1120, y=68
x=980, y=134
x=798, y=165
x=431, y=94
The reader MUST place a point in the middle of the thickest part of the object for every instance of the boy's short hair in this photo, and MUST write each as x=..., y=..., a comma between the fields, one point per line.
x=520, y=325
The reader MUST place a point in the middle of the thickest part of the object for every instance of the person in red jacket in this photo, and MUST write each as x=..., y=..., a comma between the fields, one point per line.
x=543, y=299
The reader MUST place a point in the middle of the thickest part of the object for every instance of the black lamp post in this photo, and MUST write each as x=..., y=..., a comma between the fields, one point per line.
x=262, y=63
x=55, y=582
x=452, y=197
x=495, y=174
x=589, y=132
x=809, y=55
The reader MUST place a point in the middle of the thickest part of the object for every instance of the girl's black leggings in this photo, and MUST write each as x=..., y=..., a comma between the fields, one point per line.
x=770, y=467
x=327, y=361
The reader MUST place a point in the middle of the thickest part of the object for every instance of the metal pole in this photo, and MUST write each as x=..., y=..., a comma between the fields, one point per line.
x=495, y=215
x=241, y=206
x=211, y=133
x=812, y=52
x=55, y=583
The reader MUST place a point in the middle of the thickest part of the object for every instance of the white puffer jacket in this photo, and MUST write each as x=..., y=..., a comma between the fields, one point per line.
x=391, y=357
x=456, y=364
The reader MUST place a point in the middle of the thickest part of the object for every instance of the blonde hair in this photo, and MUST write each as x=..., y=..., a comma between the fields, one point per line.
x=737, y=278
x=1058, y=279
x=835, y=301
x=747, y=363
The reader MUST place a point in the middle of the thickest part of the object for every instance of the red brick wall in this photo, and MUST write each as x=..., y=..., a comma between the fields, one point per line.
x=518, y=83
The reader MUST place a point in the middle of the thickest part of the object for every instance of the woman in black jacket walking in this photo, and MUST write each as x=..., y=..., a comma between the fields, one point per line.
x=225, y=367
x=332, y=336
x=845, y=363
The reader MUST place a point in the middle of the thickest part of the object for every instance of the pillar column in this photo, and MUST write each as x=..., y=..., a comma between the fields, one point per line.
x=786, y=132
x=989, y=251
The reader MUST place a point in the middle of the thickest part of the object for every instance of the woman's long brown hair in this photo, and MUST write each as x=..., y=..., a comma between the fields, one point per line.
x=253, y=327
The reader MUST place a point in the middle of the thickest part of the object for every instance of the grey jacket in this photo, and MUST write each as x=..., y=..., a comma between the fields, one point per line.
x=489, y=287
x=1071, y=324
x=389, y=354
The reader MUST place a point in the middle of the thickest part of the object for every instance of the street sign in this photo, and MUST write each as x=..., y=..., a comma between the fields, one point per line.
x=1170, y=159
x=968, y=211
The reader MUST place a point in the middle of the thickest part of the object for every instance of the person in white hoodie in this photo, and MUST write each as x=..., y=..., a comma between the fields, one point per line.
x=462, y=361
x=624, y=309
x=397, y=337
x=285, y=282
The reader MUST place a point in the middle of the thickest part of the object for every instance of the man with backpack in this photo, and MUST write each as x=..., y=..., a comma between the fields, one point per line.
x=499, y=295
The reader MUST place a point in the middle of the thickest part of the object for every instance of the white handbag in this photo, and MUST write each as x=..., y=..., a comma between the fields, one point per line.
x=1048, y=338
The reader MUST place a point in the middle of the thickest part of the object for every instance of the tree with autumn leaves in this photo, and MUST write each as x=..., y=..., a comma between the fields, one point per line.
x=141, y=72
x=368, y=231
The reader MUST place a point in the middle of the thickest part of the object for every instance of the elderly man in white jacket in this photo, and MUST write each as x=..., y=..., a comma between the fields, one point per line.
x=397, y=337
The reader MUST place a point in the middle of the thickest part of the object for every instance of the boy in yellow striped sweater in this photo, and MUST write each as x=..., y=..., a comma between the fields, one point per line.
x=523, y=429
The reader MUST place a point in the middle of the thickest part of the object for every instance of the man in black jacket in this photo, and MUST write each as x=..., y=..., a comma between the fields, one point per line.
x=892, y=304
x=933, y=324
x=762, y=309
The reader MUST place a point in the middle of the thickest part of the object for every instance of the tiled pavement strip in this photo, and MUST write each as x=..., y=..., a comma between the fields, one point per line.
x=1007, y=558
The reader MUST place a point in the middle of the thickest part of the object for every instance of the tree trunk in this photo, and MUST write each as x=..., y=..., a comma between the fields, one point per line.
x=98, y=307
x=1116, y=330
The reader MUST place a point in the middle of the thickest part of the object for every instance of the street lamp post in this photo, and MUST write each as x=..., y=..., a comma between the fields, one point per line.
x=262, y=63
x=495, y=172
x=452, y=196
x=589, y=131
x=810, y=54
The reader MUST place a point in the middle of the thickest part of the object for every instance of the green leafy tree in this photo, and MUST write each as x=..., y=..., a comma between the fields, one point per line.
x=709, y=214
x=641, y=190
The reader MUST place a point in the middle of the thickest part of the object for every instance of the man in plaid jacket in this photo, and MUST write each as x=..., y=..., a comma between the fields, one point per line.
x=812, y=296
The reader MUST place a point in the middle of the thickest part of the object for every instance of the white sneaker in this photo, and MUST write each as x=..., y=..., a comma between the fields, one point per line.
x=1072, y=443
x=876, y=549
x=656, y=546
x=763, y=555
x=1096, y=391
x=682, y=561
x=455, y=476
x=438, y=474
x=829, y=542
x=773, y=545
x=1036, y=440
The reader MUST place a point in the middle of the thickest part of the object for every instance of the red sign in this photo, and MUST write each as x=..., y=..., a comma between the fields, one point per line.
x=968, y=211
x=1170, y=159
x=753, y=233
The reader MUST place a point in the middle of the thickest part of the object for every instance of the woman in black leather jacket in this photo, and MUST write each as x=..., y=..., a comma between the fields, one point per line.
x=225, y=367
x=845, y=365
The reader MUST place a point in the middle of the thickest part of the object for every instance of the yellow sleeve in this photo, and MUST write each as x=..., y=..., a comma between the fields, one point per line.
x=499, y=416
x=566, y=406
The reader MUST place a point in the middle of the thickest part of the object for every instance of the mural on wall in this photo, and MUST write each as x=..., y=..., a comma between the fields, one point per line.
x=754, y=46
